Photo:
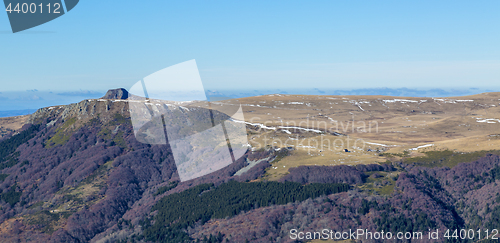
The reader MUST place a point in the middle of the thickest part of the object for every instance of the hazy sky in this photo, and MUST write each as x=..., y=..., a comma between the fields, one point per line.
x=259, y=44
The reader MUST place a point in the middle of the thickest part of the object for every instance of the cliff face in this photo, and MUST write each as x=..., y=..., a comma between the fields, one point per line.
x=113, y=102
x=113, y=94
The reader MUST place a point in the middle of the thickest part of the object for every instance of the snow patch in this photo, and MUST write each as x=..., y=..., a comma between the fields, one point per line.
x=487, y=120
x=254, y=124
x=378, y=144
x=422, y=146
x=301, y=128
x=400, y=100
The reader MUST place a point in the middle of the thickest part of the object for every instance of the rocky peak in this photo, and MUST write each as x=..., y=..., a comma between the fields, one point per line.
x=114, y=94
x=103, y=108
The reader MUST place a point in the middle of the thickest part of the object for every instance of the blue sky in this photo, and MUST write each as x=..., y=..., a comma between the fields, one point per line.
x=259, y=45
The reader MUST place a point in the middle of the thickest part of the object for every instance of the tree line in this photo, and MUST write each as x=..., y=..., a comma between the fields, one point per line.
x=204, y=202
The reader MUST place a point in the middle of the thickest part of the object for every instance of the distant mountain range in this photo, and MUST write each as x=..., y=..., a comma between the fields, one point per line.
x=22, y=103
x=16, y=112
x=404, y=92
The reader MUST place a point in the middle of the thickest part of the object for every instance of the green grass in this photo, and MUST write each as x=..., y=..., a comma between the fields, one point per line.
x=11, y=160
x=282, y=153
x=392, y=155
x=38, y=204
x=447, y=158
x=8, y=147
x=62, y=134
x=166, y=188
x=11, y=196
x=98, y=173
x=93, y=122
x=46, y=220
x=73, y=199
x=386, y=190
x=119, y=119
x=119, y=140
x=105, y=133
x=3, y=177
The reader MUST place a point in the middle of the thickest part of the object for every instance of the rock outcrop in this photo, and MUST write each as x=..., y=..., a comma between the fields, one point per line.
x=114, y=94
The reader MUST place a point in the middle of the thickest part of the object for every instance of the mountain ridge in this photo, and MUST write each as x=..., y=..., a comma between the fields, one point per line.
x=81, y=176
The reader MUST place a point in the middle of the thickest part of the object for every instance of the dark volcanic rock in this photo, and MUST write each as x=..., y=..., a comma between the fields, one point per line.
x=116, y=94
